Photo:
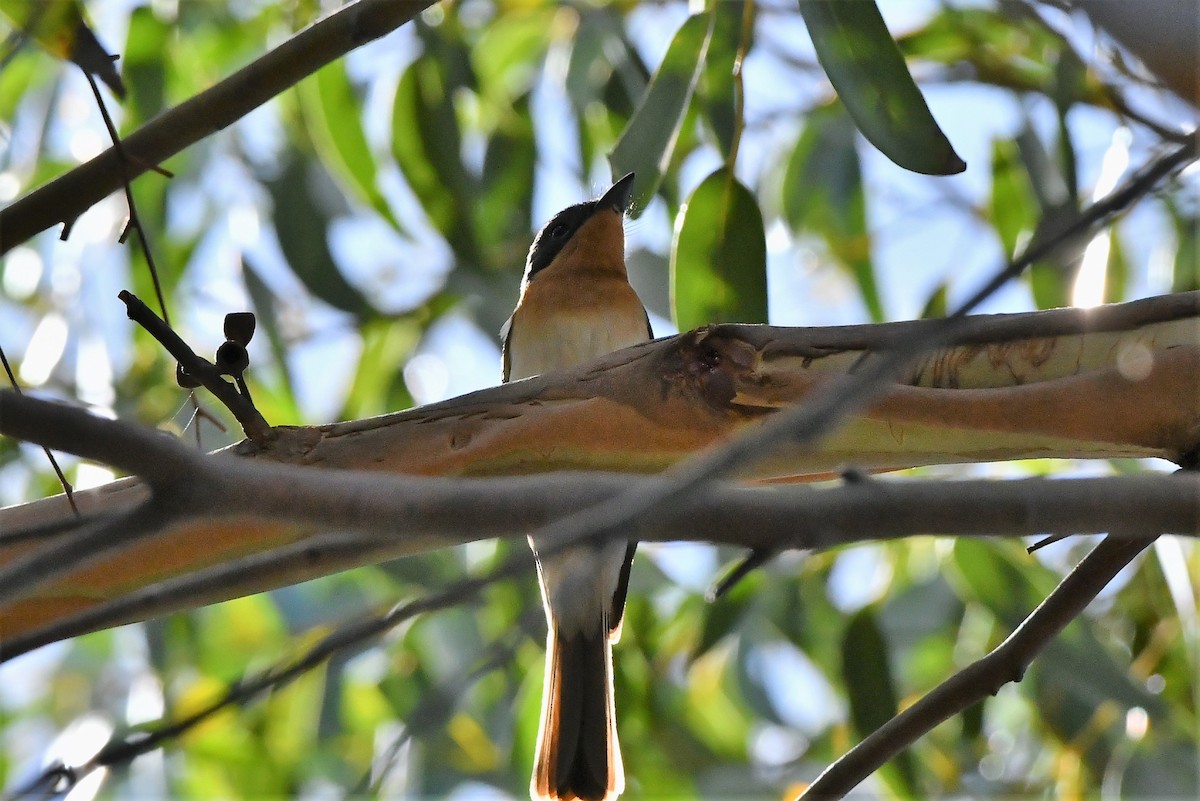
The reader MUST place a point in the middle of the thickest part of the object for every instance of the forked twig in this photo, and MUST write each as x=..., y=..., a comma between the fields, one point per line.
x=199, y=368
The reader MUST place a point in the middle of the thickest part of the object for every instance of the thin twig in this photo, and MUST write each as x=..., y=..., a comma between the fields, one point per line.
x=972, y=684
x=68, y=490
x=135, y=222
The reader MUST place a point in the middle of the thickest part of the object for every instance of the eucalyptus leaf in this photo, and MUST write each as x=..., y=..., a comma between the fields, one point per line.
x=823, y=194
x=719, y=256
x=647, y=144
x=866, y=668
x=301, y=228
x=868, y=71
x=334, y=114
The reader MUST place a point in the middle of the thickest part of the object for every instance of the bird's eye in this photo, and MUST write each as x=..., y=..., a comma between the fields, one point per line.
x=558, y=231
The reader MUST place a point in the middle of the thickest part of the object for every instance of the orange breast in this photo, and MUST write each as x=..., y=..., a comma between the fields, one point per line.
x=561, y=323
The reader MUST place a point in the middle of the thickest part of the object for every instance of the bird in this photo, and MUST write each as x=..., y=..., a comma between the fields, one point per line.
x=576, y=304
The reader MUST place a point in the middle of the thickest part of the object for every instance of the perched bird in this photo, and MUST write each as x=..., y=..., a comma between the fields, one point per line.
x=576, y=304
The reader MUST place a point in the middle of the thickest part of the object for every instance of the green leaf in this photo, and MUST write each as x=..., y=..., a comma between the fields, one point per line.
x=144, y=66
x=334, y=115
x=378, y=385
x=866, y=667
x=60, y=28
x=719, y=256
x=426, y=143
x=724, y=616
x=1013, y=205
x=823, y=194
x=505, y=203
x=1186, y=277
x=935, y=304
x=507, y=54
x=870, y=76
x=715, y=91
x=647, y=144
x=301, y=228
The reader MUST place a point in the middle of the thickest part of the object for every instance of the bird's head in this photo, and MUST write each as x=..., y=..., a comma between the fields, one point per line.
x=591, y=231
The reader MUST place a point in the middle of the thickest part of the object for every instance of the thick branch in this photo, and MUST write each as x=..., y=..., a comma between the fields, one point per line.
x=68, y=196
x=241, y=526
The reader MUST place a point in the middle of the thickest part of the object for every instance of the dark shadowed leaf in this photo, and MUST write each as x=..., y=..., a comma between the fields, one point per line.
x=719, y=256
x=334, y=113
x=866, y=667
x=870, y=76
x=426, y=143
x=301, y=228
x=143, y=65
x=823, y=195
x=505, y=203
x=715, y=91
x=648, y=141
x=264, y=306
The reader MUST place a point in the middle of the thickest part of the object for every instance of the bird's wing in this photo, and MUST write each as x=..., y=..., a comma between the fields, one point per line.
x=505, y=335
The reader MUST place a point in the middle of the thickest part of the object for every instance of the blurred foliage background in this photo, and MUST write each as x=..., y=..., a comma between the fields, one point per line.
x=376, y=219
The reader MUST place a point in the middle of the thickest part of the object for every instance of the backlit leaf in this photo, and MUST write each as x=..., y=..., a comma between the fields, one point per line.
x=823, y=195
x=719, y=256
x=647, y=144
x=334, y=114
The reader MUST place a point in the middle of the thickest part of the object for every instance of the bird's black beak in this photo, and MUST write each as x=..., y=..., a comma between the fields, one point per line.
x=618, y=195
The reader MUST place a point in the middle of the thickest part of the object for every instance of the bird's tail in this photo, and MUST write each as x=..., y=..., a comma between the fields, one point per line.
x=578, y=756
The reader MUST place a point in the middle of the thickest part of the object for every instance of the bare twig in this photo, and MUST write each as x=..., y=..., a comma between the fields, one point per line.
x=135, y=222
x=66, y=197
x=1006, y=663
x=68, y=490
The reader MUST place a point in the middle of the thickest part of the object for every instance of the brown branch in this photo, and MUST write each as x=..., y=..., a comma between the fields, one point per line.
x=805, y=424
x=406, y=515
x=68, y=196
x=1007, y=663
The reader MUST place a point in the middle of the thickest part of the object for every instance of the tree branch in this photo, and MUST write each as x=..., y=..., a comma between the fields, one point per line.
x=68, y=196
x=201, y=369
x=226, y=501
x=1008, y=662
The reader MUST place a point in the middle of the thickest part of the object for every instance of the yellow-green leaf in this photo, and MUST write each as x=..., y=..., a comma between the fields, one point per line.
x=719, y=256
x=60, y=28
